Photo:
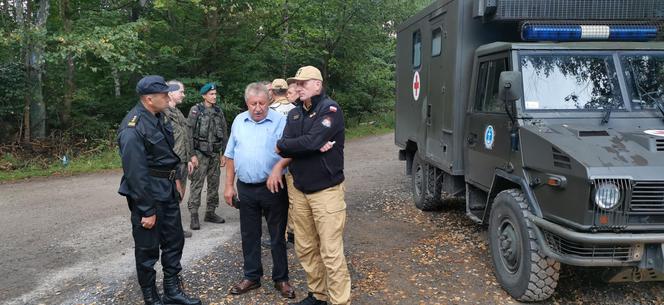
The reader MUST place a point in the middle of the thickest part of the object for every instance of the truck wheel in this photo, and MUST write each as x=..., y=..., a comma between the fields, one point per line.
x=521, y=269
x=426, y=186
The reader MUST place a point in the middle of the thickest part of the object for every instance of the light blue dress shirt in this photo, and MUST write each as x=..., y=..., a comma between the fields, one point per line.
x=251, y=145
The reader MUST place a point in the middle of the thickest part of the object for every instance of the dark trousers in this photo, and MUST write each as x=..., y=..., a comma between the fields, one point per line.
x=167, y=234
x=256, y=200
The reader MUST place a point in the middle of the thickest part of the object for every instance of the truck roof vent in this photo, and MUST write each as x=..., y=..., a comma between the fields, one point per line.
x=659, y=143
x=593, y=133
x=560, y=159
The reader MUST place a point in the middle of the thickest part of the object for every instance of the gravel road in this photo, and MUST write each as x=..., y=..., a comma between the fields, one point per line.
x=67, y=241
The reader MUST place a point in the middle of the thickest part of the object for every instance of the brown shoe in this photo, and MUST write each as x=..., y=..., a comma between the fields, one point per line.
x=243, y=286
x=285, y=289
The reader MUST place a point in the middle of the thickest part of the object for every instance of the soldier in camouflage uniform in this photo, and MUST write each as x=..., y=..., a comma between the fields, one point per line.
x=209, y=134
x=182, y=147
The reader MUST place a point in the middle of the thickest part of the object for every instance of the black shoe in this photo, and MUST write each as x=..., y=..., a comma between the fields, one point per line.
x=210, y=216
x=151, y=296
x=310, y=300
x=186, y=233
x=290, y=237
x=194, y=224
x=173, y=293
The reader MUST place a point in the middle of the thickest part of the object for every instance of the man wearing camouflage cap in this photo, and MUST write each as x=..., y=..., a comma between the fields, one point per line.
x=209, y=134
x=313, y=139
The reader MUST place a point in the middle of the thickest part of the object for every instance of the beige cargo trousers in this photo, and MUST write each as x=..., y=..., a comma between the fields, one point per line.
x=318, y=224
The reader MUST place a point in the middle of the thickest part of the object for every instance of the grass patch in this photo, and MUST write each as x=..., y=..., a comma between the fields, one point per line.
x=374, y=124
x=370, y=125
x=107, y=159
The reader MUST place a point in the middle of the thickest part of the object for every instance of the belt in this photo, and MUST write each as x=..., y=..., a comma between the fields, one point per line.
x=162, y=173
x=253, y=184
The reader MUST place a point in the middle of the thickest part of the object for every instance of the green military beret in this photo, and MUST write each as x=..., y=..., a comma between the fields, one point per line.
x=208, y=87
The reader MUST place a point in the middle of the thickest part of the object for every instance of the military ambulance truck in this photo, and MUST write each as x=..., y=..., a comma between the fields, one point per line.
x=547, y=117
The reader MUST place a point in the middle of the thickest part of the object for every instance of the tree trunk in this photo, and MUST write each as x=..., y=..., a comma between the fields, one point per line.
x=69, y=74
x=137, y=9
x=35, y=62
x=285, y=43
x=20, y=13
x=116, y=81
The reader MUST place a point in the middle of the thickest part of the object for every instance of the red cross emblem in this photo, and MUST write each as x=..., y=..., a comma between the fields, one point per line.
x=416, y=85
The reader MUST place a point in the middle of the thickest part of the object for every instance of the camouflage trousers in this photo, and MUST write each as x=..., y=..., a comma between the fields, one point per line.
x=208, y=167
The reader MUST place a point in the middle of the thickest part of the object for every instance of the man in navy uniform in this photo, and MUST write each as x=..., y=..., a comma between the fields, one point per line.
x=149, y=166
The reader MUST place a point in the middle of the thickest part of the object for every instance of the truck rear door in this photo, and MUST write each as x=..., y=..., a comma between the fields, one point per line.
x=436, y=91
x=487, y=131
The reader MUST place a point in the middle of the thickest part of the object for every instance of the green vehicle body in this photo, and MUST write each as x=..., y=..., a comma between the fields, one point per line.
x=578, y=121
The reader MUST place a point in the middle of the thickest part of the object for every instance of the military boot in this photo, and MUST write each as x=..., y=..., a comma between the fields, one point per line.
x=194, y=224
x=210, y=216
x=151, y=296
x=173, y=293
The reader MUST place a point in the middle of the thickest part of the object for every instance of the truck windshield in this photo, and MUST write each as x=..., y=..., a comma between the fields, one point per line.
x=645, y=79
x=570, y=82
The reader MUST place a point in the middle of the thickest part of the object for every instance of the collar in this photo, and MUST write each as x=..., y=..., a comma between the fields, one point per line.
x=270, y=116
x=315, y=100
x=280, y=101
x=152, y=118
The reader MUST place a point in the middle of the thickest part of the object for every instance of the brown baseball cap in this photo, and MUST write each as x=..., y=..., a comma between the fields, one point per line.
x=306, y=73
x=279, y=84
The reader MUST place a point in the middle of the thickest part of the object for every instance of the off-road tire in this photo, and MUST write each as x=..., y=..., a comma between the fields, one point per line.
x=528, y=275
x=425, y=185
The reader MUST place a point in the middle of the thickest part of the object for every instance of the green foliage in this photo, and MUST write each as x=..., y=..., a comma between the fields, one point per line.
x=230, y=42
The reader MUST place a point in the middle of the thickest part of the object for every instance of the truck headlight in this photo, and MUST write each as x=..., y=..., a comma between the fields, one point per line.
x=607, y=196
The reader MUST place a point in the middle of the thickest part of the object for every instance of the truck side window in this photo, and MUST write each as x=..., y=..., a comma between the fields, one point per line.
x=487, y=99
x=481, y=86
x=417, y=49
x=436, y=42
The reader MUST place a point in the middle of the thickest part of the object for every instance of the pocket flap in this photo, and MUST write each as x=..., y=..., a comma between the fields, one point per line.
x=155, y=138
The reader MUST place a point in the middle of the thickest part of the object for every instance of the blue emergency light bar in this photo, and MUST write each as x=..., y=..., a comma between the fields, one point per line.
x=565, y=32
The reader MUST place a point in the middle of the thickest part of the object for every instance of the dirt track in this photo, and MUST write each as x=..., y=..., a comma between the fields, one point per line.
x=67, y=241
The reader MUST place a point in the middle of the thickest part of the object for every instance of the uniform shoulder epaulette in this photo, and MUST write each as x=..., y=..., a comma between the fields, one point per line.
x=133, y=121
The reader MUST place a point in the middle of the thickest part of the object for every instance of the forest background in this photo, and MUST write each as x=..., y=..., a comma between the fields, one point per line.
x=68, y=68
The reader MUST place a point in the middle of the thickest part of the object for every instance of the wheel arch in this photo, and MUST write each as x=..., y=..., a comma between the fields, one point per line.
x=503, y=180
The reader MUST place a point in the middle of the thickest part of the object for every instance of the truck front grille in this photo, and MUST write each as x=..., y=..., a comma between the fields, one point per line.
x=569, y=248
x=659, y=144
x=647, y=197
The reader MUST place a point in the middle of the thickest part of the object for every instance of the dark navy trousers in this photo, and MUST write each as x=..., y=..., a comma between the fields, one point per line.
x=167, y=234
x=255, y=201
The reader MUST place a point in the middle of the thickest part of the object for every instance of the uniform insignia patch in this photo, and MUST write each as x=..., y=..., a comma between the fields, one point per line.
x=333, y=109
x=312, y=114
x=132, y=122
x=327, y=122
x=295, y=117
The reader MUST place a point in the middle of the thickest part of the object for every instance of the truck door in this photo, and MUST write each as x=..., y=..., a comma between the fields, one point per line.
x=436, y=91
x=487, y=133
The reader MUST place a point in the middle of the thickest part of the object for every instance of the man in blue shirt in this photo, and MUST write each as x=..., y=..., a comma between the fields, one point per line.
x=251, y=158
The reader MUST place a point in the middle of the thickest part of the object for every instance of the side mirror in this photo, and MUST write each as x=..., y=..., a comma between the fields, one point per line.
x=510, y=86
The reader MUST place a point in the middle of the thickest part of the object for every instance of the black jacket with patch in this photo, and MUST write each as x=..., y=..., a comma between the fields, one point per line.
x=305, y=133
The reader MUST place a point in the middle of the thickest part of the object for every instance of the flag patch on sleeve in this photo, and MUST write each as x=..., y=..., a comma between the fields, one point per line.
x=333, y=109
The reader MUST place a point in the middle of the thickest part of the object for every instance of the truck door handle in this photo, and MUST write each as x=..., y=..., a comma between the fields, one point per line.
x=471, y=139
